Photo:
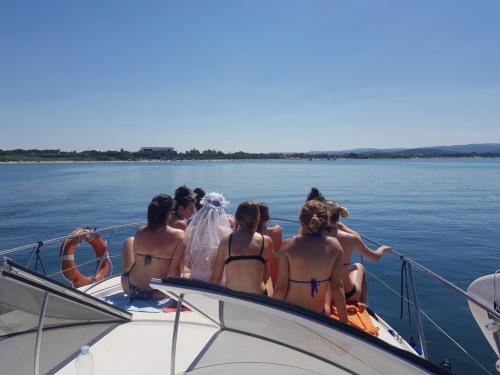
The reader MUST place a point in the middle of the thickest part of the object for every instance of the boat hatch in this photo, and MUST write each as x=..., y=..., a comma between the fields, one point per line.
x=43, y=323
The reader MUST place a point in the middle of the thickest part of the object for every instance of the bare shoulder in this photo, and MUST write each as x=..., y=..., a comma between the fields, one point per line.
x=181, y=224
x=140, y=232
x=178, y=234
x=140, y=229
x=288, y=244
x=334, y=244
x=268, y=240
x=346, y=236
x=224, y=240
x=332, y=241
x=276, y=229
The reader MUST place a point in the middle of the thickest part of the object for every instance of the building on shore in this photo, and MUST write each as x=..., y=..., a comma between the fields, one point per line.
x=156, y=149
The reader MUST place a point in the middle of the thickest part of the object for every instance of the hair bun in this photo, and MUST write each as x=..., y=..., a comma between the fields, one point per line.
x=313, y=216
x=315, y=224
x=199, y=192
x=344, y=212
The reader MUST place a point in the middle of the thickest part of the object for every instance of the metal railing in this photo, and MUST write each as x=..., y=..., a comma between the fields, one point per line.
x=51, y=241
x=36, y=247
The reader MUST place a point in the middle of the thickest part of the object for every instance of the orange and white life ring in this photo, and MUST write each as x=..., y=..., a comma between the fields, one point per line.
x=69, y=267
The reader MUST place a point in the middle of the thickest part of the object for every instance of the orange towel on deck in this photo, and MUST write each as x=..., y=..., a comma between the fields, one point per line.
x=357, y=316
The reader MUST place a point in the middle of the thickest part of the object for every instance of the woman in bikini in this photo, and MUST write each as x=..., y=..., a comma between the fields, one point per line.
x=183, y=208
x=353, y=275
x=311, y=264
x=244, y=253
x=157, y=251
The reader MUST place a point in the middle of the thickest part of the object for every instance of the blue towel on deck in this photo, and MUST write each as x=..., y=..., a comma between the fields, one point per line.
x=139, y=305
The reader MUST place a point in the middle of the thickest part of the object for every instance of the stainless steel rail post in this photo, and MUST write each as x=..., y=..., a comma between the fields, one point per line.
x=174, y=334
x=420, y=326
x=36, y=369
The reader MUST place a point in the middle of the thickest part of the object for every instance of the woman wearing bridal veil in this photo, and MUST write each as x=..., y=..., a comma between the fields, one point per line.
x=203, y=234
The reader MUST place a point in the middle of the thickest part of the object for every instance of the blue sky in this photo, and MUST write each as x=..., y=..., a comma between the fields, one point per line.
x=256, y=76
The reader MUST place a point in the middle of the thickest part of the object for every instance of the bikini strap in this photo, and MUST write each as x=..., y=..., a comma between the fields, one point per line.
x=314, y=284
x=148, y=258
x=230, y=238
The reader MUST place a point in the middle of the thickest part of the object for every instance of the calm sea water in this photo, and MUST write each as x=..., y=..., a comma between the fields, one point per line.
x=443, y=213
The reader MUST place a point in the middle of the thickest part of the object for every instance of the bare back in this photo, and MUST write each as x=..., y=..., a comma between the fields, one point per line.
x=157, y=254
x=308, y=258
x=245, y=257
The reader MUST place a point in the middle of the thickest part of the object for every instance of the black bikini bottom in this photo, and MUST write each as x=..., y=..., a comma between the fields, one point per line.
x=350, y=293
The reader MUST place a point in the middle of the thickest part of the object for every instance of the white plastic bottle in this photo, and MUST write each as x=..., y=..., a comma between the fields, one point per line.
x=85, y=362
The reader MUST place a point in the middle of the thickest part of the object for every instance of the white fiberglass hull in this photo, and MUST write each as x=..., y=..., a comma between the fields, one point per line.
x=144, y=345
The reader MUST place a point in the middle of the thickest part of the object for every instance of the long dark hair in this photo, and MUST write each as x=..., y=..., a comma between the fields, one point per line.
x=183, y=197
x=158, y=209
x=200, y=193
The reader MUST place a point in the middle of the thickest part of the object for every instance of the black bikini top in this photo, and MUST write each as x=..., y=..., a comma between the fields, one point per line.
x=245, y=257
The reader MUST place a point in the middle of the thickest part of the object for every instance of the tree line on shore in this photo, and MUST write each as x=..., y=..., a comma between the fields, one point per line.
x=123, y=155
x=20, y=155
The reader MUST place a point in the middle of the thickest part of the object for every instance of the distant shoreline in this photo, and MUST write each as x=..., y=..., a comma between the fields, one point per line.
x=148, y=161
x=34, y=156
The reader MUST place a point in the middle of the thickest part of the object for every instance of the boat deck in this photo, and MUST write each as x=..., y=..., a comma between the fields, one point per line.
x=144, y=345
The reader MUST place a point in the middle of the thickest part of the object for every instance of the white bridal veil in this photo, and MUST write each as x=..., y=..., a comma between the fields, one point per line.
x=204, y=233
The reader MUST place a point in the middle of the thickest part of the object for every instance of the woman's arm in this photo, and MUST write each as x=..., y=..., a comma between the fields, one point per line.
x=127, y=261
x=178, y=257
x=219, y=262
x=267, y=254
x=337, y=288
x=368, y=253
x=345, y=228
x=281, y=288
x=276, y=234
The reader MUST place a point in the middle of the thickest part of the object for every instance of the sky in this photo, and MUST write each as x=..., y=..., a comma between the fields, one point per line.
x=248, y=75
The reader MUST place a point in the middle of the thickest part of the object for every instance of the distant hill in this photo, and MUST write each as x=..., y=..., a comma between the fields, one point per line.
x=480, y=148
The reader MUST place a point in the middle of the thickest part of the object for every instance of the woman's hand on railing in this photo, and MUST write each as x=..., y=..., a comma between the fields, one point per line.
x=385, y=249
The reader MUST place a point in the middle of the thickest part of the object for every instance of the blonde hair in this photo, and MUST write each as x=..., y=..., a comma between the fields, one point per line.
x=247, y=216
x=335, y=211
x=313, y=216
